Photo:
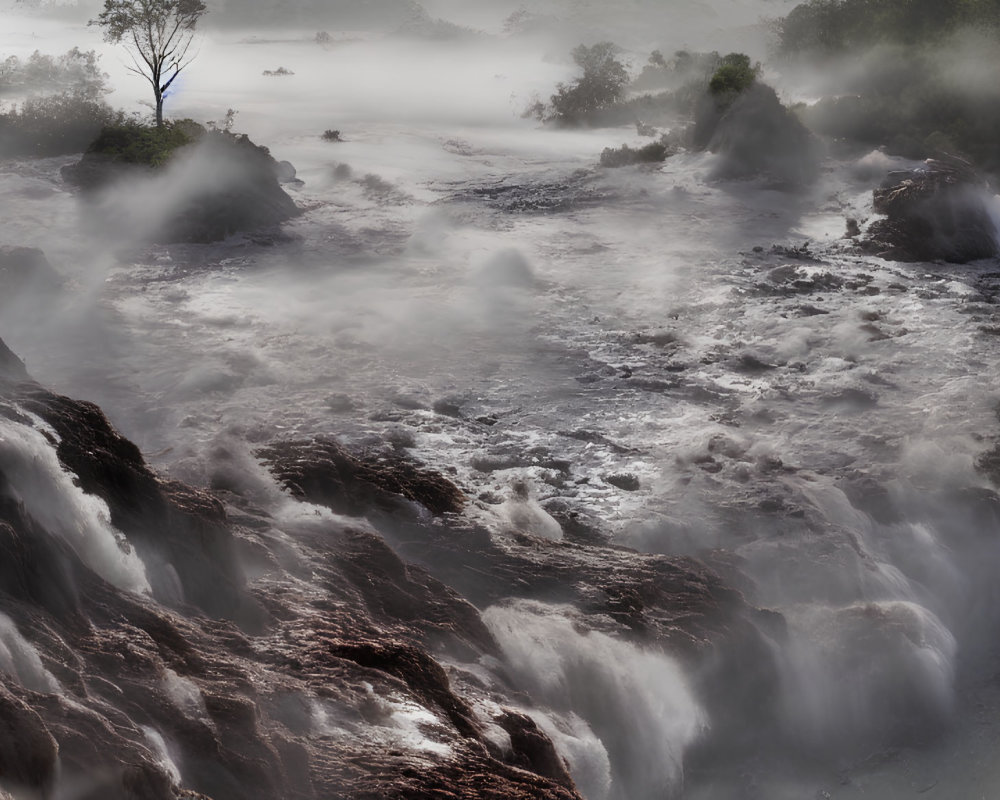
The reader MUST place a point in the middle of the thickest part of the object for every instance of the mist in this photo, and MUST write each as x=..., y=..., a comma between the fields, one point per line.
x=726, y=461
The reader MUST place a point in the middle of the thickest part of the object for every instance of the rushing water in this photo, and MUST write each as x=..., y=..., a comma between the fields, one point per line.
x=474, y=288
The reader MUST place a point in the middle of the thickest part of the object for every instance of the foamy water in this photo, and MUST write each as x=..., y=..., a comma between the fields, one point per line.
x=635, y=333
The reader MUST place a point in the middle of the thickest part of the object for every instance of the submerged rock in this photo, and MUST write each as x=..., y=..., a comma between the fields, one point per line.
x=935, y=212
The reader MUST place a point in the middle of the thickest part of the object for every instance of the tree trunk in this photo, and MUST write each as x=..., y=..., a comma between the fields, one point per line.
x=159, y=110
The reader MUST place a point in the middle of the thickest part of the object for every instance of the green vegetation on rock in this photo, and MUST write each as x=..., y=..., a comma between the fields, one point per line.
x=132, y=142
x=734, y=75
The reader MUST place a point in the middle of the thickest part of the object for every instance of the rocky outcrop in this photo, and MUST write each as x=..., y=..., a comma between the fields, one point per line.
x=306, y=662
x=322, y=471
x=681, y=605
x=936, y=212
x=230, y=185
x=754, y=134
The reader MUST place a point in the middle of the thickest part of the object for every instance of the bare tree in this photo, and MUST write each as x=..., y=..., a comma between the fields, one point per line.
x=158, y=36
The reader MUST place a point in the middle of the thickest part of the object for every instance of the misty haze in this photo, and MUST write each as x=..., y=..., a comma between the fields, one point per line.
x=566, y=400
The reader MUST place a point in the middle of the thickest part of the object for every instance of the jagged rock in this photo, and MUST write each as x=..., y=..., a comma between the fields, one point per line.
x=180, y=533
x=242, y=708
x=28, y=753
x=533, y=750
x=324, y=472
x=937, y=212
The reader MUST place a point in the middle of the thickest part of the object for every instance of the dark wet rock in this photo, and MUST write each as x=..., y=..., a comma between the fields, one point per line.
x=988, y=463
x=594, y=437
x=790, y=280
x=624, y=480
x=349, y=630
x=26, y=271
x=752, y=365
x=532, y=750
x=28, y=753
x=284, y=172
x=180, y=531
x=10, y=365
x=936, y=212
x=577, y=191
x=322, y=471
x=447, y=407
x=661, y=338
x=754, y=134
x=868, y=494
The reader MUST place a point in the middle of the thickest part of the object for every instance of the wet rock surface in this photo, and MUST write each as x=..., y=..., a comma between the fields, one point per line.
x=934, y=213
x=316, y=656
x=261, y=688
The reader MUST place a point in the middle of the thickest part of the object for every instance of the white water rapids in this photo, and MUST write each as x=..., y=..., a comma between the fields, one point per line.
x=631, y=329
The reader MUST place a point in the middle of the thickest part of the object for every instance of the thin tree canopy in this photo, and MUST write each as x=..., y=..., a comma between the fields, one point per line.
x=158, y=36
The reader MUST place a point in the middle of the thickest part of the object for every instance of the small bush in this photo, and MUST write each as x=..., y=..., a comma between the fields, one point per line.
x=733, y=76
x=332, y=136
x=322, y=37
x=624, y=156
x=280, y=72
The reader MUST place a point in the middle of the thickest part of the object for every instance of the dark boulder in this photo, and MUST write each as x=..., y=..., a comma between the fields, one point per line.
x=222, y=184
x=936, y=212
x=180, y=532
x=754, y=134
x=322, y=471
x=26, y=271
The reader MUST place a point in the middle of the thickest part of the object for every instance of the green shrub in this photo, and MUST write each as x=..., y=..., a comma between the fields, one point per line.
x=625, y=156
x=733, y=76
x=133, y=142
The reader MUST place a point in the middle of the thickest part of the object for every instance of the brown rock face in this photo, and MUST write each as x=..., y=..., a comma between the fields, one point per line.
x=936, y=213
x=295, y=684
x=324, y=472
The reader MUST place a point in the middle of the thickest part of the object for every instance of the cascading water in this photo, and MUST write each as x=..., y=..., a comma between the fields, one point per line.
x=599, y=360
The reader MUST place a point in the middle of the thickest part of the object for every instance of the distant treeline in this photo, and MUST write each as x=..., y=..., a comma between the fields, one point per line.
x=835, y=26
